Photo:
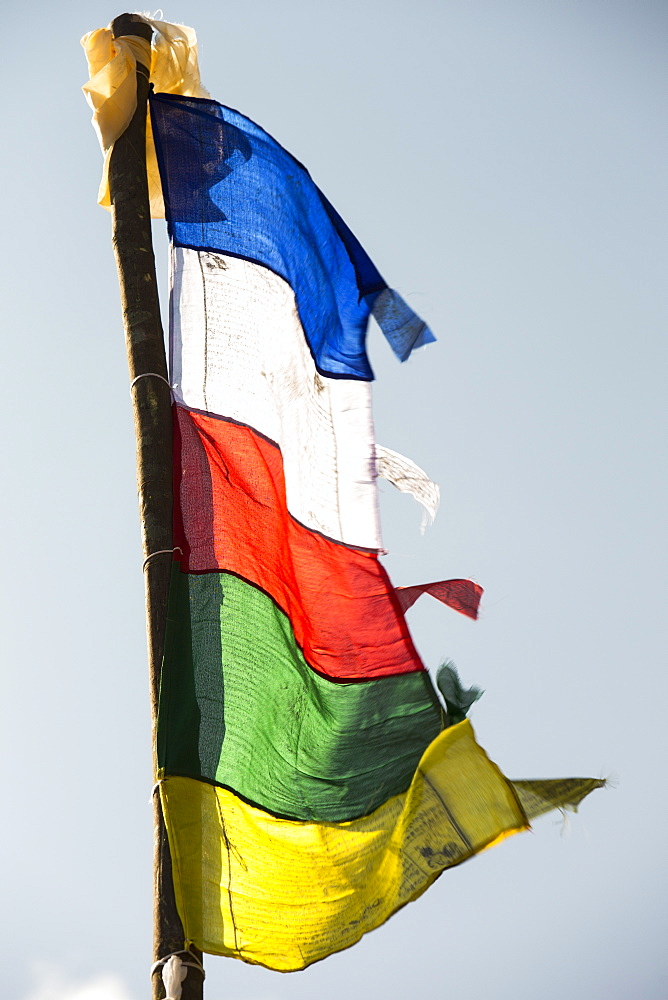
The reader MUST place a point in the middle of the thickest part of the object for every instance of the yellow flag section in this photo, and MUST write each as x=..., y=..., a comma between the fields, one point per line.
x=284, y=894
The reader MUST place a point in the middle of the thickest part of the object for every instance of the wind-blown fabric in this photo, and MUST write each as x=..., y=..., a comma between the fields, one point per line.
x=310, y=781
x=249, y=198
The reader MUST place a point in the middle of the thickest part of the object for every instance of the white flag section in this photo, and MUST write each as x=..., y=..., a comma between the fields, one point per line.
x=409, y=478
x=239, y=352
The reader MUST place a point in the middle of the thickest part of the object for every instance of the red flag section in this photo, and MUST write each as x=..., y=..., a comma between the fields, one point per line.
x=460, y=595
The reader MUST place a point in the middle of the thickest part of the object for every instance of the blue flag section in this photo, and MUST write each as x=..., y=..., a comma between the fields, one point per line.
x=230, y=188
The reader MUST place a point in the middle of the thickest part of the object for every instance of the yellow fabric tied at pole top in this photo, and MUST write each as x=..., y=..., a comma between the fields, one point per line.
x=111, y=91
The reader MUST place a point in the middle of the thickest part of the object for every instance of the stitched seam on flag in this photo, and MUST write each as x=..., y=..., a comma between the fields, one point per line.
x=337, y=680
x=172, y=326
x=164, y=692
x=446, y=807
x=162, y=167
x=335, y=441
x=227, y=420
x=174, y=773
x=421, y=669
x=175, y=859
x=229, y=873
x=253, y=260
x=274, y=444
x=206, y=330
x=335, y=541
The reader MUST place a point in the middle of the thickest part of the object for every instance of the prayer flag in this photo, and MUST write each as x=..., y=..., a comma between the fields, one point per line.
x=312, y=779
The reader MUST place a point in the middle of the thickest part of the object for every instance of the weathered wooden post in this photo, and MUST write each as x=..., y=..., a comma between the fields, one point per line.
x=131, y=228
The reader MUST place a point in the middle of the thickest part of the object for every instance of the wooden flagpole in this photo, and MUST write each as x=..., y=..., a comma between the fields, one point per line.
x=151, y=398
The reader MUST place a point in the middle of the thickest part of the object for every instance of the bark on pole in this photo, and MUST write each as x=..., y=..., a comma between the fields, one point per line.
x=133, y=248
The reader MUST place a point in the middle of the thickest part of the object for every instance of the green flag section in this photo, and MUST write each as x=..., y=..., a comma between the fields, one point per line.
x=240, y=706
x=285, y=894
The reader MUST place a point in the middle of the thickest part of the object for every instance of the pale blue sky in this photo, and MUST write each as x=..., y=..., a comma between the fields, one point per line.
x=503, y=163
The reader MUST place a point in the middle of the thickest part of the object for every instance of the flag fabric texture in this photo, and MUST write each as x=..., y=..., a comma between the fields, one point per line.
x=312, y=779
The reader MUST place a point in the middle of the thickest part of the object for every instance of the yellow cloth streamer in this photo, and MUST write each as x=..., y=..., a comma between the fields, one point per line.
x=285, y=894
x=111, y=91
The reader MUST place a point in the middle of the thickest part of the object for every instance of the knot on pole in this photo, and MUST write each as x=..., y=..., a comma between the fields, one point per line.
x=174, y=971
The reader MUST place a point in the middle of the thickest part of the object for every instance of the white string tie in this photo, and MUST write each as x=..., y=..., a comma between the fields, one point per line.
x=160, y=552
x=146, y=374
x=173, y=974
x=174, y=971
